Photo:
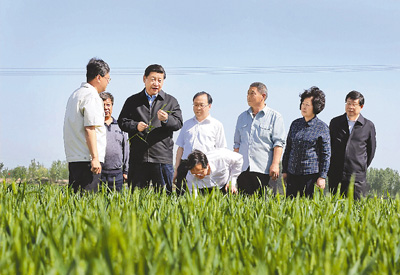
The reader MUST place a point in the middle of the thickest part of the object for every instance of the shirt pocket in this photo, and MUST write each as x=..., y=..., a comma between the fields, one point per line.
x=265, y=131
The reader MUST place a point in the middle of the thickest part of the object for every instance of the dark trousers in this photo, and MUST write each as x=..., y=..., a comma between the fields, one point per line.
x=113, y=179
x=300, y=184
x=251, y=182
x=181, y=183
x=208, y=190
x=167, y=171
x=360, y=187
x=140, y=175
x=82, y=178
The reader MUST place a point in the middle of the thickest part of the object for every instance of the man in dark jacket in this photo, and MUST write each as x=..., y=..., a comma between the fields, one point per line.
x=353, y=144
x=150, y=118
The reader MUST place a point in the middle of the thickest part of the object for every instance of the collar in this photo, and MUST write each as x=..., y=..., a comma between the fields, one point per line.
x=360, y=119
x=264, y=110
x=150, y=96
x=114, y=121
x=89, y=86
x=312, y=121
x=161, y=94
x=207, y=119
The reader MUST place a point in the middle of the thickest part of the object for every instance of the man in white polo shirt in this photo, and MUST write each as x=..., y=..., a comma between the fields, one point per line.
x=201, y=132
x=84, y=132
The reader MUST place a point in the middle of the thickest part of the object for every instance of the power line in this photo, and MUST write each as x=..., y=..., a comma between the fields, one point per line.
x=207, y=70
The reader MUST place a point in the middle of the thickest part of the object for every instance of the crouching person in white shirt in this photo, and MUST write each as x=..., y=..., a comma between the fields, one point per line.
x=216, y=169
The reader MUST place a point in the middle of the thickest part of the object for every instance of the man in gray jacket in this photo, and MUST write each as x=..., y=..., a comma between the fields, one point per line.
x=115, y=167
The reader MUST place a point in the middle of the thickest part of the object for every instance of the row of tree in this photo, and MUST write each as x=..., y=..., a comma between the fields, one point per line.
x=37, y=172
x=381, y=181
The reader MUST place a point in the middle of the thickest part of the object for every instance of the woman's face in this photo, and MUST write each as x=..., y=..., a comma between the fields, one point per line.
x=307, y=110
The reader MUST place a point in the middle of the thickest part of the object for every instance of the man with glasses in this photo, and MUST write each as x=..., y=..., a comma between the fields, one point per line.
x=201, y=132
x=84, y=132
x=260, y=137
x=150, y=117
x=216, y=169
x=353, y=144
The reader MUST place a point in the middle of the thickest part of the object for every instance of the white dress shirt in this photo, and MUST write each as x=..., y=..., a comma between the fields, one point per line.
x=225, y=166
x=204, y=136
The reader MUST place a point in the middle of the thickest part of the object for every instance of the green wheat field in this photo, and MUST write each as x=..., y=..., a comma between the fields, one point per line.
x=46, y=229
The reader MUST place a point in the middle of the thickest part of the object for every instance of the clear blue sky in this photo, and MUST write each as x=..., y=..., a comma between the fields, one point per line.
x=216, y=46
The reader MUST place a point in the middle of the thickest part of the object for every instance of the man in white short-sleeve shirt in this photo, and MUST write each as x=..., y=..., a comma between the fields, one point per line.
x=201, y=132
x=84, y=132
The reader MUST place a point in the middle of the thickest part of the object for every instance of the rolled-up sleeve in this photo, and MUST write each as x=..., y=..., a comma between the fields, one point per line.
x=279, y=133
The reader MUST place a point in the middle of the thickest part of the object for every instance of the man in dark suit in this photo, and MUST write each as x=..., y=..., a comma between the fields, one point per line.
x=150, y=117
x=353, y=144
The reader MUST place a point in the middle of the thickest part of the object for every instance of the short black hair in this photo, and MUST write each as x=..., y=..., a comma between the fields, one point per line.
x=354, y=95
x=209, y=98
x=96, y=67
x=195, y=158
x=155, y=68
x=318, y=99
x=106, y=95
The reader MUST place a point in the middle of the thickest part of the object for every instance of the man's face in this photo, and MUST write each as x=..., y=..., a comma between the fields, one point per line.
x=198, y=171
x=254, y=98
x=104, y=80
x=108, y=107
x=201, y=108
x=353, y=107
x=153, y=83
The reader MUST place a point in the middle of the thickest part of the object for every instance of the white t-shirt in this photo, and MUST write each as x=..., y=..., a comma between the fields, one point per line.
x=204, y=136
x=225, y=166
x=84, y=108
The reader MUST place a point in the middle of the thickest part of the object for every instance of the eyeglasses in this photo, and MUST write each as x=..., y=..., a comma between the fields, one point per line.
x=352, y=104
x=201, y=106
x=198, y=173
x=108, y=79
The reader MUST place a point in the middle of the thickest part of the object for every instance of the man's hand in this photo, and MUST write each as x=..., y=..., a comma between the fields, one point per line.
x=321, y=183
x=142, y=126
x=233, y=189
x=125, y=176
x=96, y=166
x=274, y=171
x=162, y=115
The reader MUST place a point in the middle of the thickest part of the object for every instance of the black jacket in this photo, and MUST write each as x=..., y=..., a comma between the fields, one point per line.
x=351, y=153
x=156, y=145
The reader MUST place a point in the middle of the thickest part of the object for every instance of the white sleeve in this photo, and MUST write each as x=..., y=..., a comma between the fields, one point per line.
x=220, y=139
x=235, y=168
x=92, y=110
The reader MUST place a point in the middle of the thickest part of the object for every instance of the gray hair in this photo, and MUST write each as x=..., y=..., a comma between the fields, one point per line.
x=261, y=88
x=106, y=95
